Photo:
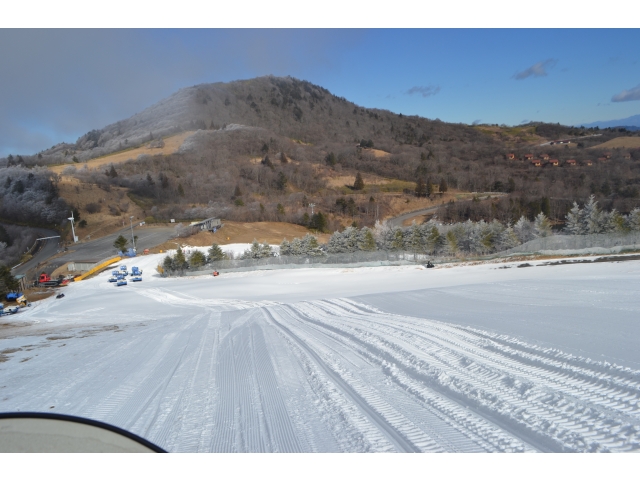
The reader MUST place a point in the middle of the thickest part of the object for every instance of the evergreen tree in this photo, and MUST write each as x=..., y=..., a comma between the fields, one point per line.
x=281, y=182
x=112, y=172
x=120, y=244
x=443, y=186
x=433, y=240
x=421, y=188
x=522, y=228
x=574, y=223
x=397, y=239
x=237, y=192
x=180, y=190
x=451, y=243
x=592, y=218
x=179, y=261
x=167, y=264
x=330, y=159
x=359, y=182
x=311, y=247
x=508, y=239
x=8, y=282
x=318, y=222
x=215, y=253
x=266, y=250
x=414, y=239
x=285, y=247
x=541, y=225
x=633, y=220
x=197, y=259
x=366, y=241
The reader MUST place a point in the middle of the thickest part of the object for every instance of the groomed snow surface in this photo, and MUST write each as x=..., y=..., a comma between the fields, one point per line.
x=390, y=359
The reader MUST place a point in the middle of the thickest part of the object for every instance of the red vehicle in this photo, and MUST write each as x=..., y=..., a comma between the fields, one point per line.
x=46, y=281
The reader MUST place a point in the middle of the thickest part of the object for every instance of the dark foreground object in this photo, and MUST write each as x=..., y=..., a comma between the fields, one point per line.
x=35, y=432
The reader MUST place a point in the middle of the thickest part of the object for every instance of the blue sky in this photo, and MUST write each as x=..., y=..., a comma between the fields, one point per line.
x=58, y=84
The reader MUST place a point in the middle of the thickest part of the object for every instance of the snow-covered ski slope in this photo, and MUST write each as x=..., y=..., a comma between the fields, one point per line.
x=390, y=359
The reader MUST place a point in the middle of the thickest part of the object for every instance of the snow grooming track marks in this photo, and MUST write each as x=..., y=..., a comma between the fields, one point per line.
x=252, y=415
x=394, y=409
x=552, y=400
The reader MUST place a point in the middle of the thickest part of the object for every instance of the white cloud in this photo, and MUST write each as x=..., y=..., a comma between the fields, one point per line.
x=627, y=95
x=536, y=70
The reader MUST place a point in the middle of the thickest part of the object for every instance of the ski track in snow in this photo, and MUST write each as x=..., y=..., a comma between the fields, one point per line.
x=229, y=375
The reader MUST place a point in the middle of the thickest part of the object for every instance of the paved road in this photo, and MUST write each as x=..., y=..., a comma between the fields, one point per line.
x=148, y=237
x=47, y=249
x=398, y=221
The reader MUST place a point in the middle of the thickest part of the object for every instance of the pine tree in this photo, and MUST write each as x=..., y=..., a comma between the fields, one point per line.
x=330, y=159
x=285, y=247
x=366, y=241
x=197, y=259
x=443, y=186
x=414, y=240
x=633, y=220
x=180, y=190
x=451, y=244
x=508, y=239
x=522, y=228
x=359, y=183
x=215, y=253
x=179, y=261
x=265, y=250
x=574, y=223
x=433, y=240
x=593, y=219
x=120, y=244
x=421, y=188
x=542, y=226
x=167, y=263
x=397, y=239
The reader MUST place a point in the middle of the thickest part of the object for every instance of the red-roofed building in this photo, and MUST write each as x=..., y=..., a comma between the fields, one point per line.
x=571, y=163
x=511, y=156
x=553, y=162
x=544, y=156
x=528, y=156
x=536, y=162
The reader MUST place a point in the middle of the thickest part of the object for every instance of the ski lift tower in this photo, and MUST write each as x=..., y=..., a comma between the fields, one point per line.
x=312, y=205
x=133, y=240
x=73, y=231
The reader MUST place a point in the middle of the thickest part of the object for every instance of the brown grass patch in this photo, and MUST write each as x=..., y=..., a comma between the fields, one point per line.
x=171, y=145
x=376, y=153
x=620, y=142
x=79, y=194
x=238, y=232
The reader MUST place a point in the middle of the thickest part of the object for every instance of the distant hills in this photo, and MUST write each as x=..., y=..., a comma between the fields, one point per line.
x=630, y=123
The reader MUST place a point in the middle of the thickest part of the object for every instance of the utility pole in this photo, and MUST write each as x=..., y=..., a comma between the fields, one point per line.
x=312, y=205
x=73, y=231
x=133, y=240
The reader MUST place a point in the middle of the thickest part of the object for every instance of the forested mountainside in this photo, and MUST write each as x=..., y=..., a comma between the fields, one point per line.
x=266, y=148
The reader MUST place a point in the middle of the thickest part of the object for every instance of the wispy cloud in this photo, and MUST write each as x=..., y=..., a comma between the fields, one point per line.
x=627, y=95
x=537, y=69
x=427, y=91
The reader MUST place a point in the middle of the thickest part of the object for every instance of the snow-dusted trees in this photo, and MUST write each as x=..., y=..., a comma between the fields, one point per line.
x=215, y=253
x=591, y=219
x=307, y=246
x=541, y=225
x=30, y=195
x=257, y=251
x=523, y=229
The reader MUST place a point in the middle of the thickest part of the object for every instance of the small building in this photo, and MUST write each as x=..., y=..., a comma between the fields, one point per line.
x=603, y=159
x=553, y=162
x=571, y=163
x=210, y=224
x=22, y=282
x=536, y=162
x=627, y=156
x=607, y=155
x=528, y=156
x=544, y=156
x=588, y=163
x=435, y=188
x=511, y=156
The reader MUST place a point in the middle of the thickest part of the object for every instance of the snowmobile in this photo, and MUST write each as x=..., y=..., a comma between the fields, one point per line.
x=60, y=295
x=36, y=432
x=429, y=264
x=215, y=273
